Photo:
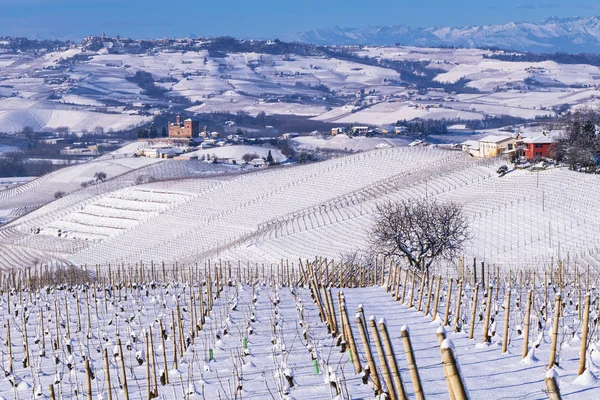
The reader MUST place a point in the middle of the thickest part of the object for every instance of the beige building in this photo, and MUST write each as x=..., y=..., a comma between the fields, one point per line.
x=489, y=146
x=189, y=129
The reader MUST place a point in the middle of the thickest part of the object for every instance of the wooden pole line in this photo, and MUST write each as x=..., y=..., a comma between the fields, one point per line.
x=369, y=356
x=385, y=371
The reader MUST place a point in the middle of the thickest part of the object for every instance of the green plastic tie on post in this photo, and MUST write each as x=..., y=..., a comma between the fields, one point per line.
x=316, y=365
x=245, y=343
x=210, y=355
x=350, y=352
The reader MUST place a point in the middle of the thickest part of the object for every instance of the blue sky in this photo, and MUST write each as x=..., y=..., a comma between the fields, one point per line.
x=260, y=18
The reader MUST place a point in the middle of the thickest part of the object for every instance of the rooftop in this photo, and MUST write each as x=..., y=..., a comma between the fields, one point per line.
x=495, y=139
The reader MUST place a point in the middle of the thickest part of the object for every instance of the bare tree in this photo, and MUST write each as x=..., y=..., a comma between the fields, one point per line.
x=100, y=176
x=419, y=231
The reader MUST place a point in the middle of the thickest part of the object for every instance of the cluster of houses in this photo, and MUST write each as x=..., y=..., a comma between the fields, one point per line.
x=533, y=147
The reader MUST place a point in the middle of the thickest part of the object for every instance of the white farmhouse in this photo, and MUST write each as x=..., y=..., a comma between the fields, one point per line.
x=489, y=146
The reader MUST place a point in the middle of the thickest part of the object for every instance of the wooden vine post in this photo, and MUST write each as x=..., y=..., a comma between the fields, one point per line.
x=437, y=298
x=107, y=374
x=555, y=332
x=526, y=326
x=412, y=365
x=457, y=327
x=473, y=311
x=488, y=310
x=584, y=335
x=385, y=371
x=448, y=302
x=366, y=345
x=391, y=358
x=506, y=319
x=452, y=371
x=123, y=370
x=350, y=339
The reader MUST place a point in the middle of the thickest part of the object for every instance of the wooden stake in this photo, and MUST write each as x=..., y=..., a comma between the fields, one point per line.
x=385, y=371
x=473, y=311
x=88, y=380
x=162, y=338
x=452, y=372
x=437, y=298
x=51, y=390
x=107, y=373
x=391, y=357
x=366, y=346
x=350, y=339
x=506, y=319
x=552, y=385
x=448, y=302
x=423, y=275
x=526, y=325
x=123, y=370
x=457, y=313
x=584, y=335
x=488, y=310
x=429, y=292
x=555, y=332
x=412, y=365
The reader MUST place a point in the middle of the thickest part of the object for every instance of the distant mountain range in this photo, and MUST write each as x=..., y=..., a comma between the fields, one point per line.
x=569, y=35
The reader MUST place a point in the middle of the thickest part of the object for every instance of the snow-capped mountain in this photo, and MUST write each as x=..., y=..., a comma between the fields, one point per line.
x=571, y=35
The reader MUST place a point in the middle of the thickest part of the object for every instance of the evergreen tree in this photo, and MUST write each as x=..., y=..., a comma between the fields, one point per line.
x=142, y=134
x=270, y=158
x=152, y=133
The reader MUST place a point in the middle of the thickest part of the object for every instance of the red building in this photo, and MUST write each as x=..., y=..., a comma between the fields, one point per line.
x=536, y=147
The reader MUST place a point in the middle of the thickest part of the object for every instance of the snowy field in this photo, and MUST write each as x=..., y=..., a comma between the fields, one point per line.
x=323, y=209
x=39, y=92
x=285, y=331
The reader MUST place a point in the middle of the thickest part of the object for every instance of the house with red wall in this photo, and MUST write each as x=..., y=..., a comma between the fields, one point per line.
x=535, y=147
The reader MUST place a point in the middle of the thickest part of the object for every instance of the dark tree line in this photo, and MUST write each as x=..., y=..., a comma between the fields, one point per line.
x=424, y=126
x=16, y=165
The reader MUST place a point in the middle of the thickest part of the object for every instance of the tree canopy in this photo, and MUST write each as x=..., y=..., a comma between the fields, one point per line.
x=419, y=231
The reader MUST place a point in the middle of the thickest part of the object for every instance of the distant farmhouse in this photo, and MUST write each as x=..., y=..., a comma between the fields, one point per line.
x=489, y=146
x=492, y=146
x=189, y=129
x=535, y=147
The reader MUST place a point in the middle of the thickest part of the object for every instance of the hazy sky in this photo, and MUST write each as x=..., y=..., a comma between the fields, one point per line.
x=261, y=18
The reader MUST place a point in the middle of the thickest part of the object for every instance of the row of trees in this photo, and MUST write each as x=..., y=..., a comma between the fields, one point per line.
x=151, y=132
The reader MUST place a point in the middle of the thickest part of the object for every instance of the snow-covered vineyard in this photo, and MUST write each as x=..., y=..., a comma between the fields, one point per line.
x=315, y=330
x=523, y=219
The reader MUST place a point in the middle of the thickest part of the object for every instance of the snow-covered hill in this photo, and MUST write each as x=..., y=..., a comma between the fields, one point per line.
x=320, y=209
x=571, y=35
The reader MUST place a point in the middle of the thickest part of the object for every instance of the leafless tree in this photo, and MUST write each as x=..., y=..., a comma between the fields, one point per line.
x=419, y=231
